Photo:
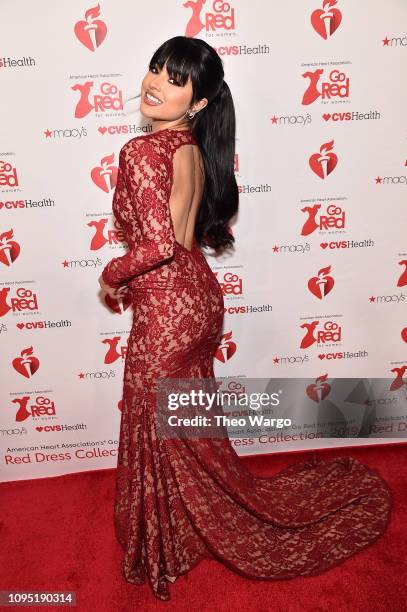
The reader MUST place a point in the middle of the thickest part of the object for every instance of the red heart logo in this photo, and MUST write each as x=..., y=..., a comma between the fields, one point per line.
x=314, y=285
x=325, y=23
x=26, y=368
x=39, y=428
x=105, y=176
x=324, y=245
x=322, y=356
x=317, y=167
x=404, y=334
x=102, y=130
x=91, y=35
x=326, y=116
x=20, y=325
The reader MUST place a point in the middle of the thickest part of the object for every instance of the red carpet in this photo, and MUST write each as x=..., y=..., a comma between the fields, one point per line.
x=57, y=534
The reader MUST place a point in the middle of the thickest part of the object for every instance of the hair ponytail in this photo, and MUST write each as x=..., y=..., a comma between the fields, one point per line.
x=214, y=129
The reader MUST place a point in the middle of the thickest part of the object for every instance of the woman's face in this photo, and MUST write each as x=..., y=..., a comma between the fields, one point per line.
x=170, y=101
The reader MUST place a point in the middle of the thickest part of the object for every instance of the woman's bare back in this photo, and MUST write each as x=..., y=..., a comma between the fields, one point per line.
x=186, y=193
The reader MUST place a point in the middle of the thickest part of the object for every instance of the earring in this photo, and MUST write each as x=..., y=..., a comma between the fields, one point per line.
x=191, y=114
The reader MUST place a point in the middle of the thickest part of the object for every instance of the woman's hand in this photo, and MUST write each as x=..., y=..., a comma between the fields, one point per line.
x=112, y=292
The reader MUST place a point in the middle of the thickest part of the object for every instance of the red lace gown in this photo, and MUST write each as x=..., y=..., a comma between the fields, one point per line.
x=179, y=501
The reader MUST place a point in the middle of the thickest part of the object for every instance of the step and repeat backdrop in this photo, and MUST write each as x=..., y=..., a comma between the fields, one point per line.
x=316, y=285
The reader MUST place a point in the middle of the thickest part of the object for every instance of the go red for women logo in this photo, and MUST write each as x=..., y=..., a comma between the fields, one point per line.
x=111, y=237
x=91, y=32
x=329, y=332
x=326, y=219
x=107, y=98
x=24, y=299
x=335, y=87
x=8, y=175
x=9, y=248
x=324, y=162
x=34, y=406
x=219, y=17
x=327, y=20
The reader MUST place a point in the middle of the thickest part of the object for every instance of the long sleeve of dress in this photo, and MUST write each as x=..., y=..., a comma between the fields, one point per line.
x=145, y=182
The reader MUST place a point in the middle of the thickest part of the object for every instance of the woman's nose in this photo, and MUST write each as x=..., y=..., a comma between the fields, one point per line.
x=156, y=82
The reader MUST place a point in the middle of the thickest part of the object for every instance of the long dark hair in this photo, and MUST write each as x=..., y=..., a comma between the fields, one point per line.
x=213, y=127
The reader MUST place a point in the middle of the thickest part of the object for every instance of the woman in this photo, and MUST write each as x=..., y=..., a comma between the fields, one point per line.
x=182, y=500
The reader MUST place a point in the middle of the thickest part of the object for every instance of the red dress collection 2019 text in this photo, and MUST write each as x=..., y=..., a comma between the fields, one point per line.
x=179, y=501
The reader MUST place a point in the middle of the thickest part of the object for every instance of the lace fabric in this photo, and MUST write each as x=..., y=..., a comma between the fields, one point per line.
x=178, y=501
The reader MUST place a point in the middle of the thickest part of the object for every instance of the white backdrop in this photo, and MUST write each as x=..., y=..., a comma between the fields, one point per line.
x=320, y=95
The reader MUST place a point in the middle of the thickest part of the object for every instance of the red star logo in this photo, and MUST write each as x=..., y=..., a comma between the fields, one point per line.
x=386, y=42
x=378, y=179
x=274, y=119
x=275, y=248
x=65, y=263
x=372, y=298
x=276, y=360
x=81, y=375
x=48, y=134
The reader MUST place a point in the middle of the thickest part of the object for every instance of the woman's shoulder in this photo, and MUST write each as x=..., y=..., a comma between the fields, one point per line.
x=150, y=144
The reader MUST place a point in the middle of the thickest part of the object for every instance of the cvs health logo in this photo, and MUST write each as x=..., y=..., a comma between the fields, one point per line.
x=332, y=217
x=9, y=248
x=114, y=236
x=322, y=284
x=324, y=162
x=108, y=97
x=226, y=348
x=91, y=32
x=40, y=406
x=327, y=20
x=105, y=175
x=27, y=364
x=24, y=300
x=8, y=175
x=336, y=86
x=219, y=16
